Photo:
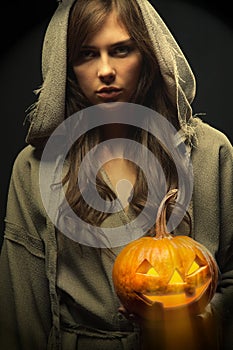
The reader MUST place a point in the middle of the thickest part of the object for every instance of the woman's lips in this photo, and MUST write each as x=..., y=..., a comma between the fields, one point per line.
x=109, y=94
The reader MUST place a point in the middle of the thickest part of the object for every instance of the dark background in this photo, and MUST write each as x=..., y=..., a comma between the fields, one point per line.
x=203, y=29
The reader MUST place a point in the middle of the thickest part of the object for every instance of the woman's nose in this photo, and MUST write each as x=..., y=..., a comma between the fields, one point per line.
x=106, y=71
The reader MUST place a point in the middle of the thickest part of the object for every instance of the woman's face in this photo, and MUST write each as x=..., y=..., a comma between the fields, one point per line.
x=109, y=64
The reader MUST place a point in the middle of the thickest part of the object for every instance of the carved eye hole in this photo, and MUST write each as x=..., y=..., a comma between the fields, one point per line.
x=193, y=268
x=197, y=264
x=147, y=269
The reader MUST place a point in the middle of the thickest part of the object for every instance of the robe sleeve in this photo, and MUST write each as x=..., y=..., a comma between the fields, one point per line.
x=222, y=302
x=25, y=316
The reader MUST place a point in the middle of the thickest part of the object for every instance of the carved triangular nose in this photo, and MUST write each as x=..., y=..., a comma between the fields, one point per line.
x=152, y=272
x=176, y=278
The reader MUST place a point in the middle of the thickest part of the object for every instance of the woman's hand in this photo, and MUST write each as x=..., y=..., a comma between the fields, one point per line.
x=174, y=333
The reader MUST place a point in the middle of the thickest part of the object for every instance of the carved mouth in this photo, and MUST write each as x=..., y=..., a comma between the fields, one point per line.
x=173, y=300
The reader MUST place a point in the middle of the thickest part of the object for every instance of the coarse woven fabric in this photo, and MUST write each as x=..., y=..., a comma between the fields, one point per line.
x=49, y=109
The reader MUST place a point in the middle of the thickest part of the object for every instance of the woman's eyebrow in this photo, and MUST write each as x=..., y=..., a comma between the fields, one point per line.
x=124, y=42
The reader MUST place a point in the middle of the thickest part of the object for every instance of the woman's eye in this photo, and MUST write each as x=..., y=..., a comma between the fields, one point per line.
x=87, y=54
x=122, y=51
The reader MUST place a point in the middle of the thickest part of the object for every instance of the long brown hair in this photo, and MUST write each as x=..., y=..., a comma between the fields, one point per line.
x=86, y=17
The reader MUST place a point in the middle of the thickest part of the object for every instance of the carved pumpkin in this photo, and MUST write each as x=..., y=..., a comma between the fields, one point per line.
x=155, y=276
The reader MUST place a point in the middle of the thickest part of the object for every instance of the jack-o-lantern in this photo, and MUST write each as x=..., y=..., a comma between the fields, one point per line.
x=155, y=276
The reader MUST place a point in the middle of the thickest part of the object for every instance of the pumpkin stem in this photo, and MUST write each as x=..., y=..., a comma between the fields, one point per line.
x=161, y=220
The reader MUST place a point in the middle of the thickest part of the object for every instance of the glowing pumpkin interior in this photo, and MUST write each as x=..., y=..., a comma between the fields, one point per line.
x=180, y=289
x=164, y=271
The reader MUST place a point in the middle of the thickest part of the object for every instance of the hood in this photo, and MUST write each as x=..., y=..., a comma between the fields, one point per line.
x=48, y=111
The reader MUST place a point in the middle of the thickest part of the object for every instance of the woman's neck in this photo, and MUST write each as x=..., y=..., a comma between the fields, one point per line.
x=122, y=175
x=113, y=131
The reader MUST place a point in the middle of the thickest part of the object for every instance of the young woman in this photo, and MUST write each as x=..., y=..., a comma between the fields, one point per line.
x=106, y=56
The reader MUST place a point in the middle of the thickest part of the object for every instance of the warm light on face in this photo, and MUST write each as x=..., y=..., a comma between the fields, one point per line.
x=109, y=59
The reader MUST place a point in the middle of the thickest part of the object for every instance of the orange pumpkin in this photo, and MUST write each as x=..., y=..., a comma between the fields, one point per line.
x=155, y=276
